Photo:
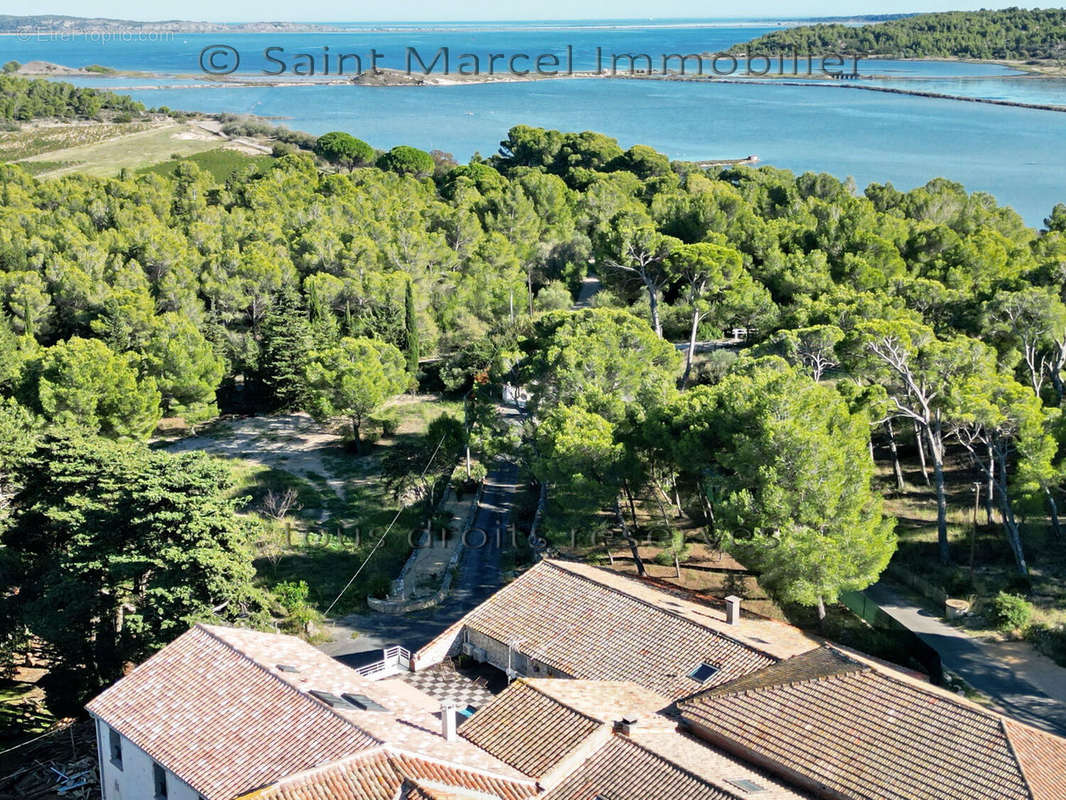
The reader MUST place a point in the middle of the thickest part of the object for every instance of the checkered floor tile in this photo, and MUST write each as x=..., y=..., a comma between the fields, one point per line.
x=447, y=685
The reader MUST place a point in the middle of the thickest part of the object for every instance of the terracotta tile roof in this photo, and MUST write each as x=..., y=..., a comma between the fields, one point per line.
x=230, y=710
x=622, y=770
x=777, y=639
x=860, y=730
x=715, y=766
x=543, y=727
x=386, y=774
x=1042, y=758
x=527, y=729
x=590, y=623
x=608, y=701
x=221, y=722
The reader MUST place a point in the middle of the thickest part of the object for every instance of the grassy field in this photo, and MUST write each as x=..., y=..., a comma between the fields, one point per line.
x=102, y=149
x=221, y=163
x=34, y=140
x=342, y=513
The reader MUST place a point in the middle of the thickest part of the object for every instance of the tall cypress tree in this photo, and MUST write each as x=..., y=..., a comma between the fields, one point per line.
x=412, y=345
x=288, y=338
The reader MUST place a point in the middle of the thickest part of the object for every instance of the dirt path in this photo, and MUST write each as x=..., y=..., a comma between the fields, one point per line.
x=291, y=442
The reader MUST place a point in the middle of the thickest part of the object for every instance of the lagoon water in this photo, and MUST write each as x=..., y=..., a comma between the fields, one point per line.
x=1017, y=154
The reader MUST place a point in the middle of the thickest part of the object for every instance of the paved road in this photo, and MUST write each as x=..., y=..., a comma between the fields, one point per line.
x=477, y=579
x=970, y=659
x=589, y=287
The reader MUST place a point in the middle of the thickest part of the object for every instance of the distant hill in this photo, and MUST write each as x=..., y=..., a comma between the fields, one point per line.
x=1014, y=34
x=55, y=23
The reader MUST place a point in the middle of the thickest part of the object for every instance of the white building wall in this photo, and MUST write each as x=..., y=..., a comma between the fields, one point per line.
x=134, y=781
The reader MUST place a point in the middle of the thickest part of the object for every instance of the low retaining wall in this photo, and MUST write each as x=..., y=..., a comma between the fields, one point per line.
x=422, y=603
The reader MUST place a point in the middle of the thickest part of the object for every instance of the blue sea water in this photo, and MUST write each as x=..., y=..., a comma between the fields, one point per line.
x=1017, y=154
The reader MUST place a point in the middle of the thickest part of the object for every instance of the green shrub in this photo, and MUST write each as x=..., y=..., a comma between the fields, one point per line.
x=1050, y=641
x=292, y=594
x=1010, y=612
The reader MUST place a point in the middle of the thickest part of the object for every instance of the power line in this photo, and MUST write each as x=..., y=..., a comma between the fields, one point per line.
x=399, y=511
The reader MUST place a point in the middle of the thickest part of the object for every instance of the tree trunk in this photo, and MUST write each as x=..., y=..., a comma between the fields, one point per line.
x=536, y=544
x=896, y=468
x=936, y=450
x=653, y=306
x=633, y=548
x=1053, y=509
x=1010, y=525
x=355, y=435
x=921, y=453
x=691, y=348
x=821, y=612
x=990, y=497
x=632, y=505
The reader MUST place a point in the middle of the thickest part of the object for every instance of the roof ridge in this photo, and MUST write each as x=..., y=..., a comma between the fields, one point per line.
x=799, y=681
x=392, y=750
x=462, y=791
x=301, y=694
x=318, y=768
x=724, y=689
x=1014, y=755
x=567, y=706
x=557, y=565
x=673, y=764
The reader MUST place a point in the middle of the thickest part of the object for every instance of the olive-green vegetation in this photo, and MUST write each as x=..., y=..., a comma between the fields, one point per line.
x=928, y=322
x=338, y=147
x=24, y=99
x=220, y=163
x=117, y=549
x=1013, y=33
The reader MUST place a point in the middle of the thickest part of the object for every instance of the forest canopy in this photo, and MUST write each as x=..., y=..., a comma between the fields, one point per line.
x=23, y=99
x=931, y=318
x=1013, y=33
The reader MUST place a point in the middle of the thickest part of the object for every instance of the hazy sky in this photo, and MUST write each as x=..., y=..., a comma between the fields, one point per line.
x=337, y=10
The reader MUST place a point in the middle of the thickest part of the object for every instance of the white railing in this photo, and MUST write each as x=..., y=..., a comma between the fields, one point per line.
x=395, y=660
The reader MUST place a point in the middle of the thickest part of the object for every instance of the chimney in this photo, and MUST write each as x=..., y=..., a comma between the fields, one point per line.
x=626, y=725
x=449, y=726
x=732, y=610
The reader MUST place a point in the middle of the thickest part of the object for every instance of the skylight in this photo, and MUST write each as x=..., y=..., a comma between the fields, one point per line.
x=332, y=700
x=703, y=672
x=363, y=703
x=287, y=668
x=748, y=786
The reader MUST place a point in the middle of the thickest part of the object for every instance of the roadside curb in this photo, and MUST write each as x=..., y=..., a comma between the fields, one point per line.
x=422, y=603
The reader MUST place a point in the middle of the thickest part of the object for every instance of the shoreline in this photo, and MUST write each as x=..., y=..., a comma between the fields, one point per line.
x=394, y=79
